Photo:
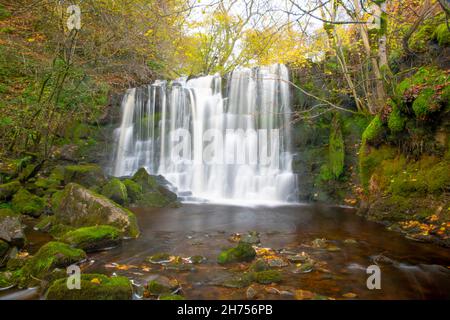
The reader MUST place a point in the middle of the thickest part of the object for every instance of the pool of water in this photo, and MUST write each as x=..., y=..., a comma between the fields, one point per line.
x=409, y=269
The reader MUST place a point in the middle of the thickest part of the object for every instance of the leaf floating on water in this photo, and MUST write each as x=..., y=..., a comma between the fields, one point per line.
x=120, y=266
x=350, y=295
x=96, y=281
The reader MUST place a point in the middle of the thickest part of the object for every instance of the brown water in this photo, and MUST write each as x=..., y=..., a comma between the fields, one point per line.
x=415, y=271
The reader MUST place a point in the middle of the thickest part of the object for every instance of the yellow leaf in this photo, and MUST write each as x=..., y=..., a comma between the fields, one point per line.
x=96, y=281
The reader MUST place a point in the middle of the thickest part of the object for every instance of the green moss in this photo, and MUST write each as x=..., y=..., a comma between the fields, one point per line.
x=92, y=238
x=4, y=13
x=396, y=121
x=242, y=252
x=4, y=247
x=146, y=181
x=336, y=149
x=373, y=131
x=442, y=34
x=7, y=212
x=92, y=287
x=87, y=175
x=259, y=265
x=171, y=297
x=7, y=190
x=370, y=158
x=116, y=191
x=50, y=256
x=134, y=190
x=47, y=183
x=267, y=277
x=159, y=257
x=27, y=203
x=153, y=199
x=423, y=104
x=157, y=288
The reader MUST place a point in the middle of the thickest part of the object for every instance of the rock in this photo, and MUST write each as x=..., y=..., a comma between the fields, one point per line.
x=381, y=259
x=276, y=262
x=77, y=206
x=251, y=293
x=161, y=285
x=26, y=203
x=134, y=190
x=88, y=175
x=319, y=243
x=68, y=152
x=251, y=238
x=8, y=280
x=50, y=256
x=302, y=257
x=259, y=265
x=305, y=267
x=239, y=281
x=11, y=229
x=197, y=259
x=92, y=287
x=350, y=241
x=267, y=277
x=7, y=190
x=333, y=248
x=242, y=252
x=28, y=172
x=4, y=249
x=154, y=193
x=304, y=295
x=116, y=191
x=159, y=258
x=94, y=238
x=171, y=297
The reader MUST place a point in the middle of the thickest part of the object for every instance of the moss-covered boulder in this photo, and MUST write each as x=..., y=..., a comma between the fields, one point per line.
x=134, y=190
x=50, y=256
x=242, y=252
x=162, y=285
x=92, y=287
x=26, y=203
x=94, y=238
x=154, y=193
x=4, y=249
x=268, y=276
x=11, y=229
x=116, y=191
x=87, y=175
x=77, y=206
x=7, y=190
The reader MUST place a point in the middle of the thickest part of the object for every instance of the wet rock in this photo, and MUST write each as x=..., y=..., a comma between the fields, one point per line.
x=162, y=285
x=259, y=265
x=171, y=297
x=26, y=203
x=4, y=249
x=350, y=295
x=11, y=229
x=134, y=190
x=77, y=206
x=319, y=243
x=304, y=295
x=267, y=277
x=242, y=252
x=92, y=287
x=8, y=279
x=251, y=293
x=87, y=175
x=304, y=267
x=154, y=192
x=301, y=257
x=276, y=262
x=251, y=237
x=92, y=239
x=197, y=259
x=350, y=241
x=381, y=259
x=239, y=281
x=272, y=290
x=116, y=191
x=333, y=248
x=159, y=258
x=7, y=190
x=50, y=256
x=179, y=264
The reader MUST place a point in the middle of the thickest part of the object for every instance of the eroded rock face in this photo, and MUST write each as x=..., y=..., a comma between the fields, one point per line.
x=79, y=207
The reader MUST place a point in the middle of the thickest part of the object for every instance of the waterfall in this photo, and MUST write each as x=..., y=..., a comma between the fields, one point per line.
x=230, y=144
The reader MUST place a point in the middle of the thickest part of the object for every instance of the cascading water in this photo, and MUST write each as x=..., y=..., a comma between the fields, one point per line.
x=232, y=147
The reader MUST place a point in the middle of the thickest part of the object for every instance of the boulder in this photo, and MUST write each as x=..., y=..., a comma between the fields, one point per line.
x=49, y=257
x=162, y=285
x=154, y=193
x=11, y=229
x=134, y=190
x=242, y=252
x=92, y=287
x=116, y=191
x=7, y=190
x=77, y=206
x=88, y=175
x=26, y=203
x=4, y=249
x=92, y=239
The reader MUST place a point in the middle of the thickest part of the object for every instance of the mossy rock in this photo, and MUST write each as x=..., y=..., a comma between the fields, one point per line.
x=7, y=280
x=116, y=191
x=87, y=175
x=154, y=193
x=134, y=190
x=81, y=207
x=93, y=238
x=336, y=149
x=28, y=172
x=162, y=285
x=159, y=257
x=50, y=256
x=370, y=158
x=267, y=277
x=11, y=229
x=4, y=248
x=242, y=252
x=92, y=287
x=396, y=121
x=171, y=297
x=7, y=190
x=26, y=203
x=425, y=103
x=259, y=265
x=47, y=183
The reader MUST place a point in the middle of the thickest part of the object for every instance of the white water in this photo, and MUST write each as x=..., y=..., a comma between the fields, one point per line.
x=251, y=163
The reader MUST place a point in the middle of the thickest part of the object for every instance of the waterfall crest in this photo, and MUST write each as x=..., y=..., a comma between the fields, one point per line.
x=217, y=144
